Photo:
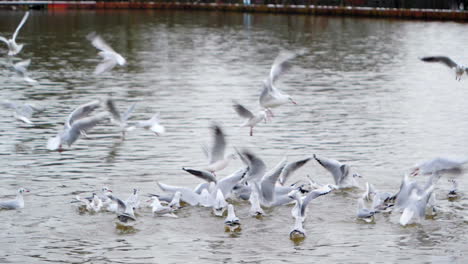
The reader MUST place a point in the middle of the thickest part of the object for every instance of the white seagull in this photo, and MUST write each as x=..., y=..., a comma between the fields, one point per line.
x=298, y=232
x=364, y=213
x=22, y=112
x=231, y=220
x=117, y=118
x=21, y=68
x=93, y=204
x=217, y=160
x=439, y=164
x=251, y=119
x=339, y=171
x=152, y=124
x=124, y=211
x=109, y=56
x=459, y=69
x=300, y=208
x=160, y=210
x=76, y=124
x=272, y=97
x=13, y=47
x=17, y=203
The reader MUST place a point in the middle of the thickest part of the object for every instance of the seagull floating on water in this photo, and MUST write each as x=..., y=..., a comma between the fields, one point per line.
x=364, y=213
x=17, y=203
x=93, y=204
x=124, y=211
x=13, y=47
x=232, y=221
x=160, y=210
x=110, y=58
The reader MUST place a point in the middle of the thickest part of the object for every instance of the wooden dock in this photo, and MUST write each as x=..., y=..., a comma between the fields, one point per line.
x=425, y=14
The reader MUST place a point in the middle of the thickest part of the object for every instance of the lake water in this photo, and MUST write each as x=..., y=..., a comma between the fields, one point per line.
x=363, y=98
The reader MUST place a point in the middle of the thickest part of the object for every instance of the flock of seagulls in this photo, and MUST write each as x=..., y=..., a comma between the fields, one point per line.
x=255, y=182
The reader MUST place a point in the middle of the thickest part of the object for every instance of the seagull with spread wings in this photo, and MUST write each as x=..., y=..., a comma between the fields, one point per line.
x=13, y=47
x=110, y=58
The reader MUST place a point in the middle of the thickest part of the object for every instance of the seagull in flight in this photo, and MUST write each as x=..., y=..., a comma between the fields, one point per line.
x=21, y=68
x=13, y=47
x=217, y=160
x=110, y=58
x=251, y=119
x=76, y=124
x=22, y=112
x=120, y=119
x=459, y=69
x=153, y=125
x=271, y=96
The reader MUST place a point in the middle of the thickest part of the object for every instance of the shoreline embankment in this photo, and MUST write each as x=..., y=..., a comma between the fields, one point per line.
x=421, y=14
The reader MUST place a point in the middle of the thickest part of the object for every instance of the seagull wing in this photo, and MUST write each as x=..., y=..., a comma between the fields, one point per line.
x=205, y=175
x=290, y=168
x=105, y=66
x=82, y=111
x=113, y=110
x=333, y=166
x=87, y=123
x=84, y=124
x=442, y=59
x=98, y=42
x=257, y=167
x=242, y=111
x=122, y=207
x=227, y=183
x=312, y=195
x=25, y=17
x=281, y=64
x=22, y=66
x=187, y=195
x=219, y=145
x=269, y=179
x=4, y=40
x=127, y=113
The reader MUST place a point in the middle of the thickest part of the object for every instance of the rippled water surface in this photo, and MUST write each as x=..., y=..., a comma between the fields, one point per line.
x=363, y=98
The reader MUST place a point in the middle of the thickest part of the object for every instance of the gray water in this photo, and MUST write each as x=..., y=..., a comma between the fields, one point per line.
x=363, y=98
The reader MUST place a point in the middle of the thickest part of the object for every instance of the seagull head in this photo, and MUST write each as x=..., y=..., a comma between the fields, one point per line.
x=22, y=190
